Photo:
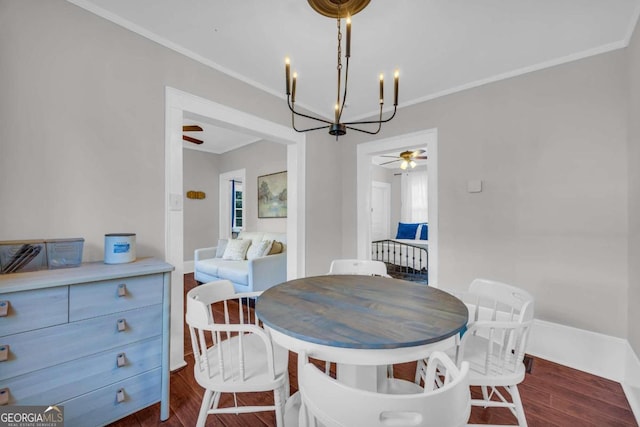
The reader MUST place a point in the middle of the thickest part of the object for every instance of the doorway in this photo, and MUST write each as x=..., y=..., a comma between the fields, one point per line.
x=380, y=210
x=176, y=103
x=364, y=194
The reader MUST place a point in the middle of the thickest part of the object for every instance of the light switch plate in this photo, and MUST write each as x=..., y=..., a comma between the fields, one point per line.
x=175, y=202
x=474, y=186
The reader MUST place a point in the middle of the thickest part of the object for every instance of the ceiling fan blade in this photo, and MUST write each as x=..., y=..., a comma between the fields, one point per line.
x=195, y=141
x=416, y=153
x=386, y=163
x=191, y=128
x=421, y=157
x=393, y=157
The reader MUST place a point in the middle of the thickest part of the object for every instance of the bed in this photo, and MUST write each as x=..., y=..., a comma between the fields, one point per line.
x=406, y=256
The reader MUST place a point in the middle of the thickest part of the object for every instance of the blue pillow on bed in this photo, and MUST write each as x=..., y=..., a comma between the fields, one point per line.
x=407, y=231
x=424, y=231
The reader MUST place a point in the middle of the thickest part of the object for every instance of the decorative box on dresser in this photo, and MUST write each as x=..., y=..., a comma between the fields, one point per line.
x=94, y=339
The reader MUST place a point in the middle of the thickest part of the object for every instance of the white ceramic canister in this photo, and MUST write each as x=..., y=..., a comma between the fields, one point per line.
x=119, y=248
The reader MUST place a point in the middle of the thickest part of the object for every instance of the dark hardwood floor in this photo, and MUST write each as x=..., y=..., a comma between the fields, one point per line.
x=553, y=395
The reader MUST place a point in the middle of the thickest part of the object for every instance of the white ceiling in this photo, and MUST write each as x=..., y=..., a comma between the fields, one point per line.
x=439, y=46
x=216, y=139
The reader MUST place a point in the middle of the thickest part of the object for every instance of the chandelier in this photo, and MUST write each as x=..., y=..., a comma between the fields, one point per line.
x=339, y=9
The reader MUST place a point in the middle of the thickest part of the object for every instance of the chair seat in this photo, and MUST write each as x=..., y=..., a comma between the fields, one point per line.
x=256, y=376
x=399, y=386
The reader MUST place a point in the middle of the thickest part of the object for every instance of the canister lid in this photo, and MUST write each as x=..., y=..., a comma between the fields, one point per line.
x=119, y=234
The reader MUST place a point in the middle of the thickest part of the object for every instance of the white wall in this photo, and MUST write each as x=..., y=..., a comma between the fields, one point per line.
x=200, y=173
x=550, y=147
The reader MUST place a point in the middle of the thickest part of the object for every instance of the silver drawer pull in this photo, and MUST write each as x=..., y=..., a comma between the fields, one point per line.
x=121, y=360
x=122, y=290
x=120, y=397
x=4, y=396
x=4, y=352
x=122, y=325
x=4, y=308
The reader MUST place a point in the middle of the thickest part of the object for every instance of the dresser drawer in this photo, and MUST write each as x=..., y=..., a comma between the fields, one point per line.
x=101, y=406
x=111, y=296
x=29, y=310
x=46, y=347
x=77, y=377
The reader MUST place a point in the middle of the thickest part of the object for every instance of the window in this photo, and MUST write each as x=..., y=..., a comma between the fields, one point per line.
x=237, y=206
x=415, y=206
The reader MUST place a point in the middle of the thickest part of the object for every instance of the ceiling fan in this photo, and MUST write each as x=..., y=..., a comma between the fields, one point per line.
x=191, y=128
x=408, y=158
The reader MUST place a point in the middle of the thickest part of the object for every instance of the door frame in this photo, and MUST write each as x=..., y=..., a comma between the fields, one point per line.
x=176, y=102
x=364, y=153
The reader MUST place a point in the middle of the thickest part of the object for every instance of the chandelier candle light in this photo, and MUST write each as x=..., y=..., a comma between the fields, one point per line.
x=339, y=9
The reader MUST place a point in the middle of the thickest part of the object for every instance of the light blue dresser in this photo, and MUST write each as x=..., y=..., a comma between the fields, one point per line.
x=94, y=339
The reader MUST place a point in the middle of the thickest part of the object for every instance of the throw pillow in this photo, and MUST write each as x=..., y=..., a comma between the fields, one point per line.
x=407, y=231
x=258, y=249
x=222, y=245
x=276, y=248
x=424, y=231
x=236, y=249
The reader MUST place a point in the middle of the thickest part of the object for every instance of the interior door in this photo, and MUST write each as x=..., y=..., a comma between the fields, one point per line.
x=380, y=210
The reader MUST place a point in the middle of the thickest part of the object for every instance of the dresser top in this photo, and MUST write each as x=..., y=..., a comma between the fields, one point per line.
x=86, y=272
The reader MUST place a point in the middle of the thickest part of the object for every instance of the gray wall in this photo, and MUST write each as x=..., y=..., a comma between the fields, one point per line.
x=202, y=172
x=82, y=125
x=259, y=158
x=201, y=226
x=551, y=150
x=325, y=183
x=634, y=191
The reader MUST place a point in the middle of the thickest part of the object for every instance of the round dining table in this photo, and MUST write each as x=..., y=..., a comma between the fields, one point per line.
x=361, y=322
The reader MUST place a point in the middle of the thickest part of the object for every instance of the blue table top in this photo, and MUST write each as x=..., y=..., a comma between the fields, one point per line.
x=366, y=312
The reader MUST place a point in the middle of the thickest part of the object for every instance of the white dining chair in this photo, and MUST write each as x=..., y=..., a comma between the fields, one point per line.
x=359, y=267
x=443, y=403
x=494, y=343
x=232, y=352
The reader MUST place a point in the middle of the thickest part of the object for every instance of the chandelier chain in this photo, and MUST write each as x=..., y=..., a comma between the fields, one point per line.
x=339, y=45
x=339, y=67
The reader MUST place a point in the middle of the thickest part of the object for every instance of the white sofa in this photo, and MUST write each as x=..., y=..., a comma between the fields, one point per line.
x=252, y=275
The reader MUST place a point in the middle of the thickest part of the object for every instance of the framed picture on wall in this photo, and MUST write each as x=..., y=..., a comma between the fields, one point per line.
x=272, y=195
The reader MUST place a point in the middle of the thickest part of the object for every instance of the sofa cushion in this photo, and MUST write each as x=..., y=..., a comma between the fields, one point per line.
x=236, y=250
x=236, y=271
x=208, y=266
x=254, y=236
x=259, y=249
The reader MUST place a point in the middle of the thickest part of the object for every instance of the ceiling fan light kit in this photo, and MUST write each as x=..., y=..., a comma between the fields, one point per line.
x=408, y=158
x=339, y=9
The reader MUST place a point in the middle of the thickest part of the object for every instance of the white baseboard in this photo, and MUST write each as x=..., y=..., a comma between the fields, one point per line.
x=188, y=266
x=631, y=383
x=592, y=352
x=598, y=354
